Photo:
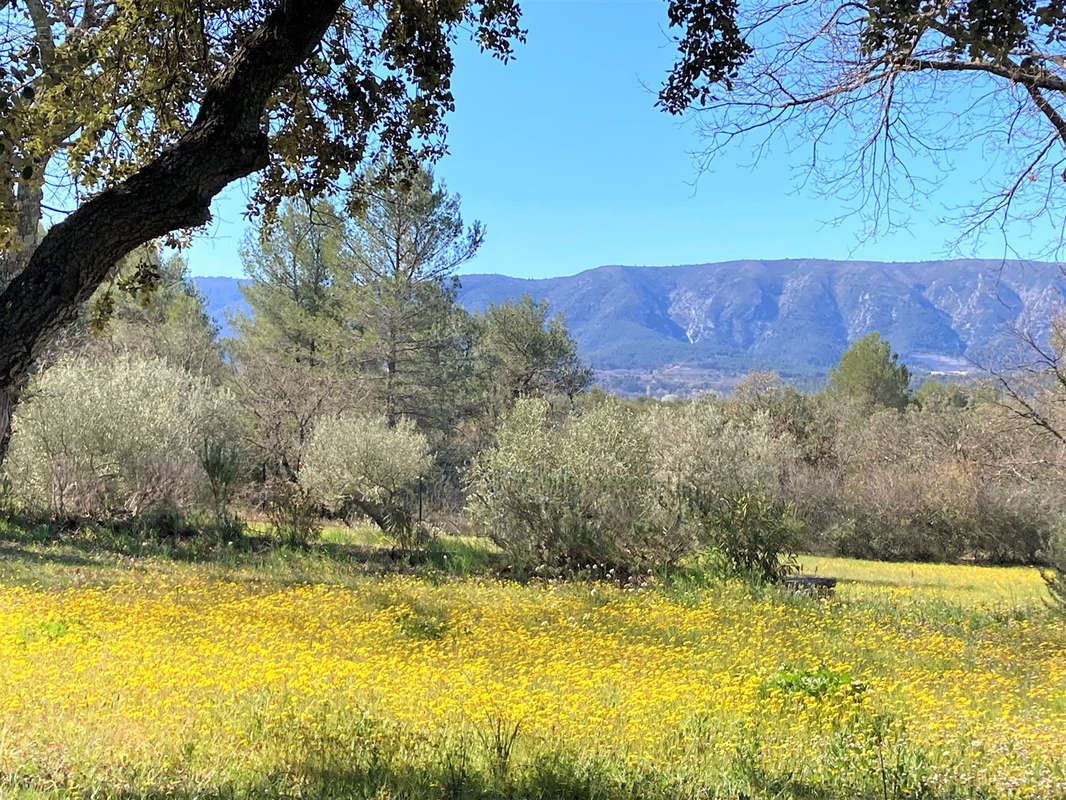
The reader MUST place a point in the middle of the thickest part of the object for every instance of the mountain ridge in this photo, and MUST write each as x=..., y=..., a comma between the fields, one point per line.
x=690, y=327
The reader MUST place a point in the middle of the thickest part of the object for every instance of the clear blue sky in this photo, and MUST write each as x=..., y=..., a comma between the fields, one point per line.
x=563, y=156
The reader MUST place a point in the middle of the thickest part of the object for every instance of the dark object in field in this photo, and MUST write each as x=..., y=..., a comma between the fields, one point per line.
x=813, y=585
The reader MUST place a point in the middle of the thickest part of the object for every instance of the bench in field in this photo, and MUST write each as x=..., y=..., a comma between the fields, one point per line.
x=810, y=584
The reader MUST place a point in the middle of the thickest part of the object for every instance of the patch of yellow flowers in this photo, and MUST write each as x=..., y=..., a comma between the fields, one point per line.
x=186, y=681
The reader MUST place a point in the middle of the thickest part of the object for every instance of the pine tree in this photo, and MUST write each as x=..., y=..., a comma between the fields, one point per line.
x=405, y=247
x=151, y=308
x=871, y=375
x=296, y=293
x=293, y=356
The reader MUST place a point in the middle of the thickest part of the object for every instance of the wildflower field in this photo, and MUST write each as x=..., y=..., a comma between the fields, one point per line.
x=140, y=676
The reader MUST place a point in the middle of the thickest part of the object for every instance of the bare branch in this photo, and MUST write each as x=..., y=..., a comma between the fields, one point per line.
x=42, y=26
x=874, y=77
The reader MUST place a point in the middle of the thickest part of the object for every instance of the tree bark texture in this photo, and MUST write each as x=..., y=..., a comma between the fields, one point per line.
x=7, y=407
x=227, y=141
x=27, y=229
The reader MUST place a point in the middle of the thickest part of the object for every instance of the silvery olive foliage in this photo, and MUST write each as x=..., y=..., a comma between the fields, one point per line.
x=700, y=445
x=563, y=494
x=359, y=463
x=114, y=437
x=731, y=473
x=350, y=455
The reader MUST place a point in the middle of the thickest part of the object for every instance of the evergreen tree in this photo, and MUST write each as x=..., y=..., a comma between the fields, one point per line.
x=405, y=246
x=293, y=356
x=871, y=374
x=153, y=109
x=934, y=394
x=523, y=353
x=297, y=276
x=151, y=308
x=357, y=314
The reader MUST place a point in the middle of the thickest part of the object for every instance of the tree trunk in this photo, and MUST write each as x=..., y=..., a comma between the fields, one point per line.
x=173, y=191
x=12, y=262
x=7, y=408
x=391, y=416
x=27, y=230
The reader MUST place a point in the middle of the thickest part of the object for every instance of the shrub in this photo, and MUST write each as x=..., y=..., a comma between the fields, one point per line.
x=221, y=463
x=818, y=683
x=358, y=462
x=938, y=482
x=698, y=444
x=752, y=537
x=1054, y=558
x=293, y=512
x=9, y=502
x=564, y=495
x=113, y=437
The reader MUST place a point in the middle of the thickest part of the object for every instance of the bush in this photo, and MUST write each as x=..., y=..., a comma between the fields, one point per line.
x=942, y=482
x=730, y=474
x=750, y=536
x=112, y=438
x=294, y=512
x=698, y=444
x=9, y=502
x=818, y=683
x=1054, y=558
x=359, y=463
x=559, y=496
x=221, y=463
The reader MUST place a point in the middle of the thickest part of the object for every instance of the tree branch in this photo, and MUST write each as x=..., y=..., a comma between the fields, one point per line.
x=1048, y=111
x=1011, y=72
x=227, y=141
x=42, y=28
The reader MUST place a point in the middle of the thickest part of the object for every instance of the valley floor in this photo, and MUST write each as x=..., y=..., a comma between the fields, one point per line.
x=136, y=672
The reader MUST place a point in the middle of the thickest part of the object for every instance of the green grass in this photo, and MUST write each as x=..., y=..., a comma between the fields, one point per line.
x=961, y=584
x=363, y=535
x=46, y=556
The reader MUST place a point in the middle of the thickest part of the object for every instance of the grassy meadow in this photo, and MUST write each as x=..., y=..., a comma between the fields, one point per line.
x=136, y=670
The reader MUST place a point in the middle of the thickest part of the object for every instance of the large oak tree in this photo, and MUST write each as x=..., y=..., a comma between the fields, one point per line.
x=150, y=108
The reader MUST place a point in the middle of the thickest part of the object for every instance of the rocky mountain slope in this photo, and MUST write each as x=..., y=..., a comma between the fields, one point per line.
x=683, y=328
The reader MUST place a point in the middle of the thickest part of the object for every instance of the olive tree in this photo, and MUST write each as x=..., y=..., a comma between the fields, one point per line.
x=564, y=494
x=114, y=437
x=361, y=463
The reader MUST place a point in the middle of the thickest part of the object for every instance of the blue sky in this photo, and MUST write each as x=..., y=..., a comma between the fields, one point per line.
x=564, y=158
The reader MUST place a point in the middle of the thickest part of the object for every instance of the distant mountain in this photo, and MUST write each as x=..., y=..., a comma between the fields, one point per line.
x=684, y=328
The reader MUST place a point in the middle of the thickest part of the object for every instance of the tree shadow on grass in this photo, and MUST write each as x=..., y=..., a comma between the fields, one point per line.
x=9, y=552
x=364, y=758
x=551, y=780
x=460, y=774
x=87, y=544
